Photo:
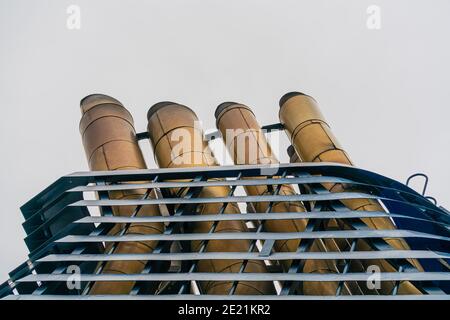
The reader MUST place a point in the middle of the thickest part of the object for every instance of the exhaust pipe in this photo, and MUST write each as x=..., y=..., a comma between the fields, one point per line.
x=313, y=141
x=168, y=123
x=109, y=140
x=247, y=144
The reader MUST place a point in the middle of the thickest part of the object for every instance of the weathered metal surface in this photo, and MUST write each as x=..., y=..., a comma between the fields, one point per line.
x=109, y=139
x=314, y=141
x=178, y=142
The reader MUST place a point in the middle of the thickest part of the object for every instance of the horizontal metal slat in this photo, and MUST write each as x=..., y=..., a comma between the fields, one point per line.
x=264, y=198
x=228, y=276
x=329, y=234
x=387, y=254
x=212, y=183
x=251, y=217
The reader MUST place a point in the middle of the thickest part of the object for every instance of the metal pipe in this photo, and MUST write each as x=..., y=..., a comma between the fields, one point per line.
x=109, y=140
x=178, y=142
x=247, y=144
x=313, y=141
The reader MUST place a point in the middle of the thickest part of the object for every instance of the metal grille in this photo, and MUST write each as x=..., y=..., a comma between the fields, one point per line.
x=62, y=233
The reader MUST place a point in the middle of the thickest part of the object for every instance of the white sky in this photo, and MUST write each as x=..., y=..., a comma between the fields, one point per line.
x=384, y=92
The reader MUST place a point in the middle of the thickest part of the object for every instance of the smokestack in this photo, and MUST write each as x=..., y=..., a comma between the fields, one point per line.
x=109, y=140
x=313, y=141
x=168, y=123
x=247, y=144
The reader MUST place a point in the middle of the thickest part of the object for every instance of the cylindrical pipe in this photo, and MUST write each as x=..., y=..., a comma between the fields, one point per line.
x=178, y=142
x=247, y=144
x=313, y=141
x=109, y=140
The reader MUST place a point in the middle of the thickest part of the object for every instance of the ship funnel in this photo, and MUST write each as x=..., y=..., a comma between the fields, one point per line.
x=178, y=142
x=313, y=141
x=109, y=140
x=247, y=144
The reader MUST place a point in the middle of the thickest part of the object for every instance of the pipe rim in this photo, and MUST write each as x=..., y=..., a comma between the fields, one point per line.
x=160, y=105
x=221, y=107
x=290, y=95
x=99, y=95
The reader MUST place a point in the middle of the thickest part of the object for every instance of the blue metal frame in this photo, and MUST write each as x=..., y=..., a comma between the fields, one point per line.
x=61, y=232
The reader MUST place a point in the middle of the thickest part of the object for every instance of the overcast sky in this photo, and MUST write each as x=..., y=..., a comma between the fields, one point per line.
x=385, y=92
